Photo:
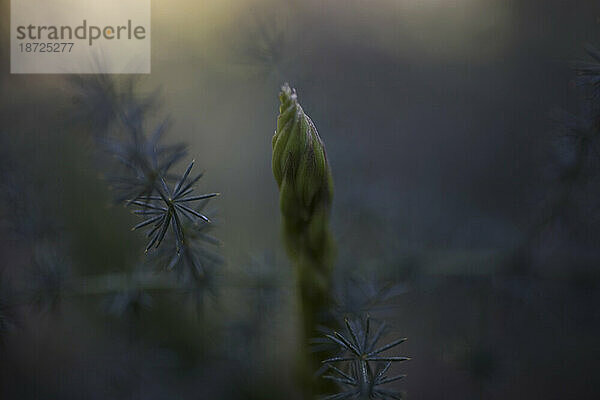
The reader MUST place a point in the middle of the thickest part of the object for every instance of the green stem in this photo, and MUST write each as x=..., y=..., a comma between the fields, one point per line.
x=305, y=184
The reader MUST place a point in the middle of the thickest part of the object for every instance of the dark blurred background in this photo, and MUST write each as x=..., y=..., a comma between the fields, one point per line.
x=444, y=132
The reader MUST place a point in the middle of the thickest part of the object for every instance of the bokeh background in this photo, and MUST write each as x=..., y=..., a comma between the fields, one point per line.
x=443, y=129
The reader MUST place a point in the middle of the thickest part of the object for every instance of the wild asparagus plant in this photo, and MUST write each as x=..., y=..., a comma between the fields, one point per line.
x=362, y=368
x=579, y=139
x=305, y=185
x=142, y=179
